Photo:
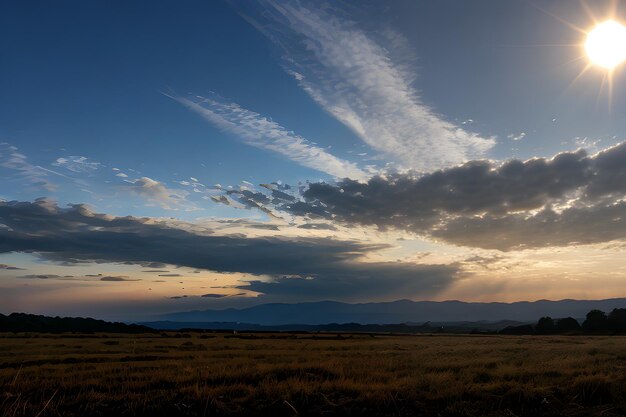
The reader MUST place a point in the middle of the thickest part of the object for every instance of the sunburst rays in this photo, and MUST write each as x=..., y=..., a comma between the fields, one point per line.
x=594, y=17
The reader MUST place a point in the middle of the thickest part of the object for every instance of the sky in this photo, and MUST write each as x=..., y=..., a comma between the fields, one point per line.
x=160, y=156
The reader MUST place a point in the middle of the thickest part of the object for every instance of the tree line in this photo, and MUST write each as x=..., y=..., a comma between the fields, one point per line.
x=596, y=322
x=21, y=322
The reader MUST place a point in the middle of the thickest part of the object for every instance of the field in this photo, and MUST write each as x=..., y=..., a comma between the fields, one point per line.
x=213, y=374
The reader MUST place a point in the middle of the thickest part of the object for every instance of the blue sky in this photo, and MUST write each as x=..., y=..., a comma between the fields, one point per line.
x=97, y=75
x=154, y=109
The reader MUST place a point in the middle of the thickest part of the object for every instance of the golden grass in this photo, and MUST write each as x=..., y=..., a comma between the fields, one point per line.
x=278, y=375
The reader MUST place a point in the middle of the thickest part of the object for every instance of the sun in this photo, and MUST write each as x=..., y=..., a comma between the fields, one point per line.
x=601, y=47
x=606, y=44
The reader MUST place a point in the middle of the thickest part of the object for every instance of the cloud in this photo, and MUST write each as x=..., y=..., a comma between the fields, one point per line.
x=517, y=137
x=414, y=202
x=571, y=198
x=76, y=234
x=84, y=277
x=573, y=226
x=154, y=265
x=117, y=279
x=263, y=133
x=214, y=295
x=317, y=226
x=36, y=175
x=248, y=224
x=41, y=276
x=156, y=192
x=10, y=268
x=372, y=280
x=360, y=81
x=78, y=164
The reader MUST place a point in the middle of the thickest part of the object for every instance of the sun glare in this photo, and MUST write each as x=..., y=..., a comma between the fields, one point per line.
x=606, y=44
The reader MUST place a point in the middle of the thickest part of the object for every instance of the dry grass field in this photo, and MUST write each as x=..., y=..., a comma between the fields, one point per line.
x=176, y=374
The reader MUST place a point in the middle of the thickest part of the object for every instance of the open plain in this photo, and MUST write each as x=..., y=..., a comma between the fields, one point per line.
x=221, y=374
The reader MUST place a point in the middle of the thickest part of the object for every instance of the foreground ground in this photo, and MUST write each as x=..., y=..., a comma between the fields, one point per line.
x=176, y=374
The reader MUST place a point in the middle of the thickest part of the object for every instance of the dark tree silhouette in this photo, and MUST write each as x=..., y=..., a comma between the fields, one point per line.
x=596, y=322
x=617, y=320
x=567, y=325
x=545, y=325
x=21, y=322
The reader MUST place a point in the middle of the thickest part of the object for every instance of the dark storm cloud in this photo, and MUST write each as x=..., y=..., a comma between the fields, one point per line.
x=279, y=195
x=77, y=234
x=247, y=223
x=609, y=176
x=483, y=204
x=317, y=226
x=253, y=199
x=573, y=226
x=475, y=187
x=357, y=281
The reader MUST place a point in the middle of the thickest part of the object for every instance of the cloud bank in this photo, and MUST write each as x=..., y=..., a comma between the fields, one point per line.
x=76, y=234
x=573, y=198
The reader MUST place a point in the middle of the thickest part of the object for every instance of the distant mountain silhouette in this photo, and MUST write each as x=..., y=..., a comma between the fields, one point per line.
x=21, y=322
x=402, y=311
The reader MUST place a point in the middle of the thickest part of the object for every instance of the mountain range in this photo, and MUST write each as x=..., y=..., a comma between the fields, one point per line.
x=401, y=311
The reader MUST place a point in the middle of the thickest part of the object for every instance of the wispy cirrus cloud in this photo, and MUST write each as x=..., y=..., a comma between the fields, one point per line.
x=259, y=131
x=357, y=79
x=78, y=164
x=12, y=159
